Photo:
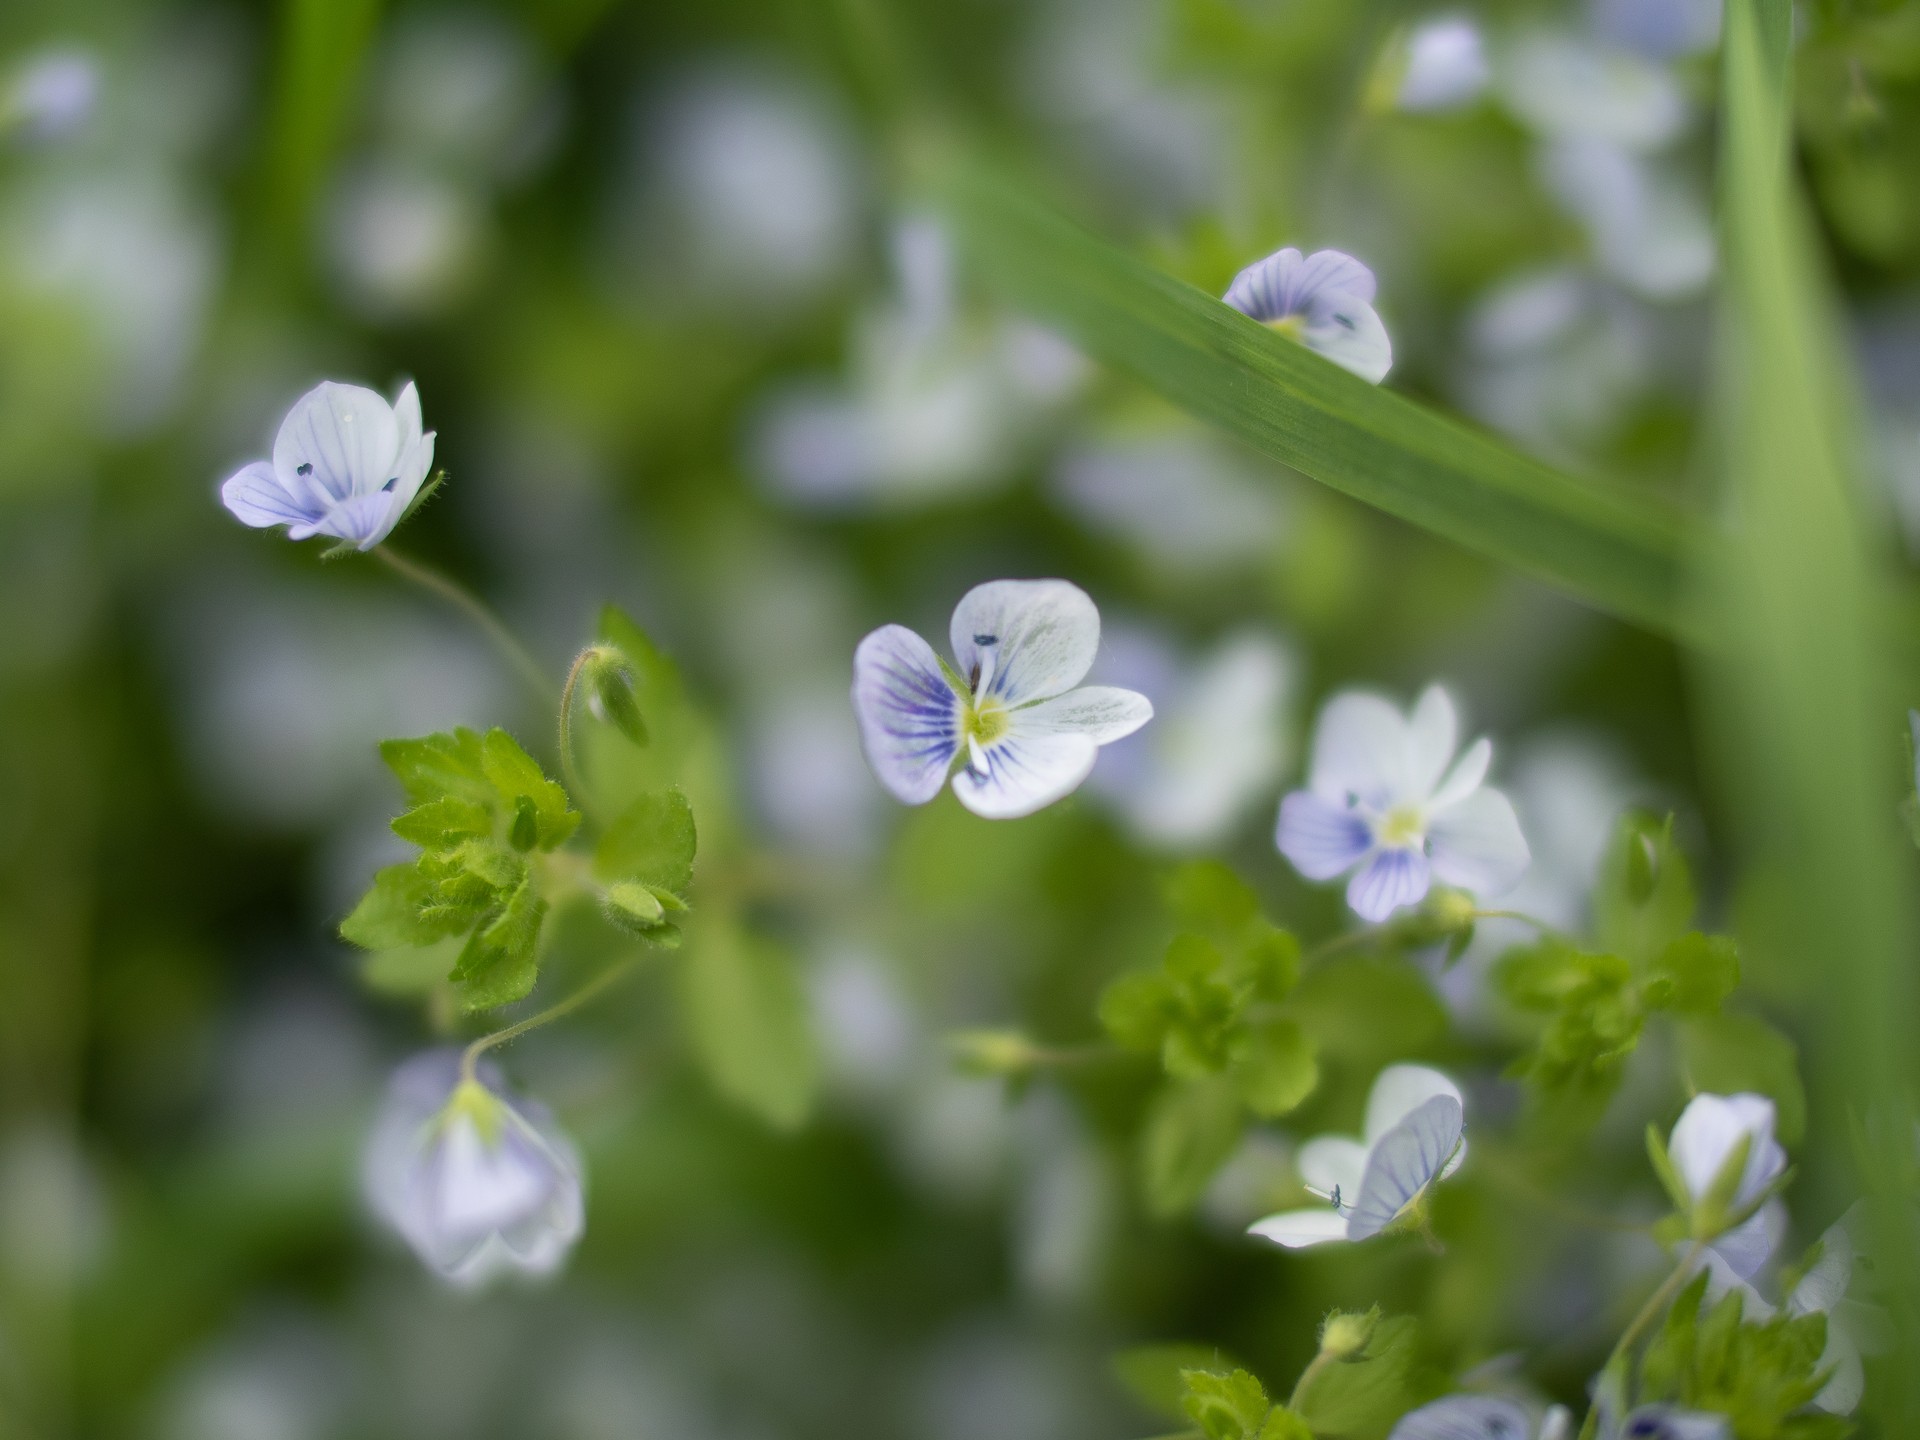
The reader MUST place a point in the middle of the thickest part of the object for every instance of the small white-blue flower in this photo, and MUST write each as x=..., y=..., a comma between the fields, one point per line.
x=1446, y=66
x=1387, y=800
x=1704, y=1140
x=345, y=464
x=1481, y=1417
x=480, y=1185
x=1323, y=300
x=1007, y=708
x=50, y=95
x=1415, y=1135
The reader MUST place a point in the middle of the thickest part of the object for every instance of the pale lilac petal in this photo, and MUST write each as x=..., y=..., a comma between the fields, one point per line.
x=909, y=716
x=1333, y=1162
x=1465, y=1417
x=1749, y=1245
x=341, y=439
x=1333, y=272
x=1466, y=776
x=257, y=498
x=1391, y=879
x=1404, y=1162
x=1025, y=773
x=360, y=520
x=1103, y=713
x=1268, y=289
x=1825, y=1285
x=1297, y=1229
x=1360, y=750
x=1398, y=1092
x=1447, y=66
x=1477, y=846
x=1025, y=640
x=408, y=424
x=1433, y=733
x=1322, y=838
x=1706, y=1134
x=1349, y=332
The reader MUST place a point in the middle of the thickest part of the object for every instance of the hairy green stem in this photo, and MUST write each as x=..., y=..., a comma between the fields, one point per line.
x=1656, y=1305
x=470, y=1057
x=477, y=610
x=569, y=771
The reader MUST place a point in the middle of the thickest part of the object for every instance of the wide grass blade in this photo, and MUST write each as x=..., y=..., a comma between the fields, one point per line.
x=1622, y=552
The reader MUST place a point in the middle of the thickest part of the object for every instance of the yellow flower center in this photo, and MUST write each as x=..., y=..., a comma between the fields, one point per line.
x=1402, y=826
x=1291, y=326
x=984, y=720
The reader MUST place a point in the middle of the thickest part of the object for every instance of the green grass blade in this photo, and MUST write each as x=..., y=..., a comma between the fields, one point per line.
x=1811, y=733
x=1621, y=552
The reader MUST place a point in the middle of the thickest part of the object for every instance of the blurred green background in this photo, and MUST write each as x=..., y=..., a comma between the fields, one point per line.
x=692, y=346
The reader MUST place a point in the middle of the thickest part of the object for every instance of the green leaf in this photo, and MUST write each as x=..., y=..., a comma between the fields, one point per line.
x=1276, y=1067
x=748, y=1021
x=501, y=959
x=389, y=916
x=1762, y=1374
x=1138, y=1009
x=1616, y=549
x=410, y=973
x=517, y=776
x=1362, y=1397
x=1153, y=1373
x=1726, y=1054
x=1594, y=1023
x=653, y=842
x=1225, y=1407
x=1645, y=898
x=1190, y=1129
x=1663, y=1167
x=443, y=823
x=434, y=767
x=1695, y=974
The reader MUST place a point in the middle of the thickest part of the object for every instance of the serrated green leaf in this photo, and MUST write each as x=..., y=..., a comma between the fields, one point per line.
x=749, y=1023
x=516, y=776
x=1275, y=1068
x=1137, y=1009
x=443, y=823
x=390, y=915
x=1153, y=1373
x=433, y=767
x=412, y=972
x=1618, y=550
x=1226, y=1407
x=653, y=841
x=1190, y=1129
x=1645, y=898
x=1726, y=1054
x=500, y=961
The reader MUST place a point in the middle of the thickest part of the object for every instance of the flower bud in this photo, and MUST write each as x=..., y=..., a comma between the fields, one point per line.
x=1344, y=1335
x=1725, y=1158
x=992, y=1052
x=609, y=684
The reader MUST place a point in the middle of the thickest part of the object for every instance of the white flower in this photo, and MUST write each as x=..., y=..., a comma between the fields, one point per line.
x=1567, y=85
x=1481, y=1417
x=1704, y=1140
x=479, y=1185
x=1414, y=1135
x=1650, y=228
x=1008, y=709
x=1446, y=66
x=1660, y=29
x=1383, y=801
x=1323, y=300
x=1666, y=1422
x=345, y=464
x=51, y=95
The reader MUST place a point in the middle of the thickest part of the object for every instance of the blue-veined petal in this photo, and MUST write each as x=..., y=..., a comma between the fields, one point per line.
x=1322, y=838
x=1103, y=713
x=1297, y=1229
x=345, y=437
x=1333, y=272
x=360, y=520
x=1391, y=879
x=1404, y=1162
x=909, y=716
x=1024, y=772
x=1269, y=289
x=257, y=498
x=1027, y=640
x=1398, y=1091
x=1476, y=844
x=1348, y=331
x=1465, y=1417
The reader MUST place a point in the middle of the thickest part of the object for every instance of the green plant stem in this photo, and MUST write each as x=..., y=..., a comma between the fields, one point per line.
x=1347, y=940
x=477, y=610
x=1307, y=1376
x=604, y=980
x=569, y=771
x=1648, y=1313
x=1064, y=1056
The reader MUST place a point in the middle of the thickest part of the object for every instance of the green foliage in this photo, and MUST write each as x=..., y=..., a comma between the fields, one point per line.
x=608, y=679
x=1360, y=1396
x=1730, y=1053
x=1645, y=898
x=1191, y=1127
x=646, y=860
x=1156, y=1375
x=747, y=1018
x=1761, y=1374
x=1594, y=1017
x=1234, y=1406
x=1368, y=1010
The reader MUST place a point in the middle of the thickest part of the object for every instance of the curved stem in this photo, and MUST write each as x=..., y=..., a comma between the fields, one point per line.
x=1319, y=1362
x=1347, y=940
x=477, y=610
x=1648, y=1313
x=568, y=770
x=471, y=1055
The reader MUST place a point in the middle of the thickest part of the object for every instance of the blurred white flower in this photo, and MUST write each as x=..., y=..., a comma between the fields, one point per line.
x=1664, y=1422
x=1007, y=708
x=55, y=1225
x=1387, y=800
x=1481, y=1417
x=868, y=1028
x=1324, y=301
x=345, y=464
x=1179, y=496
x=1567, y=85
x=405, y=240
x=1219, y=745
x=50, y=95
x=1415, y=1135
x=480, y=1185
x=461, y=89
x=1650, y=229
x=274, y=1376
x=1444, y=64
x=1659, y=29
x=1705, y=1140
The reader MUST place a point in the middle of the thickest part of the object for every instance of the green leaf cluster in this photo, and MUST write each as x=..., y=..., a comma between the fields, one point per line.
x=1761, y=1374
x=1358, y=1396
x=483, y=813
x=645, y=861
x=1234, y=1406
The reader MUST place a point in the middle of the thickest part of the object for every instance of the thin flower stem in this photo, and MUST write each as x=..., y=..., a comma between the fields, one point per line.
x=1525, y=919
x=1656, y=1305
x=1063, y=1056
x=477, y=610
x=471, y=1055
x=569, y=771
x=1344, y=941
x=1320, y=1362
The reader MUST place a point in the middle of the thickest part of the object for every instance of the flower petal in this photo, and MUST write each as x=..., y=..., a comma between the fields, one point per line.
x=1398, y=1091
x=1321, y=837
x=1268, y=289
x=1825, y=1285
x=1360, y=750
x=1297, y=1229
x=345, y=437
x=1391, y=879
x=1103, y=713
x=408, y=425
x=1404, y=1162
x=1025, y=773
x=1348, y=332
x=361, y=520
x=1476, y=844
x=1749, y=1245
x=1667, y=1422
x=1465, y=1417
x=1469, y=772
x=1433, y=733
x=1041, y=636
x=1707, y=1132
x=257, y=498
x=909, y=716
x=1333, y=1162
x=1334, y=272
